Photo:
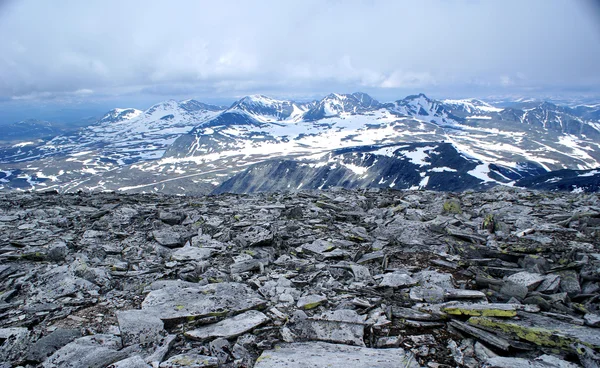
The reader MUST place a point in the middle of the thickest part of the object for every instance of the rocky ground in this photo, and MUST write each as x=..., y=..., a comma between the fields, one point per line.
x=504, y=278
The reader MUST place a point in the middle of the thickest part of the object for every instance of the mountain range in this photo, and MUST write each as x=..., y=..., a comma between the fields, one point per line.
x=349, y=140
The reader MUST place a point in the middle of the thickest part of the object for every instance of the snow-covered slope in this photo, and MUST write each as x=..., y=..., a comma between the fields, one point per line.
x=429, y=165
x=189, y=147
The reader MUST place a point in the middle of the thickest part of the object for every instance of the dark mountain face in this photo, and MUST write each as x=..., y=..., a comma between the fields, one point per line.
x=433, y=166
x=564, y=180
x=31, y=129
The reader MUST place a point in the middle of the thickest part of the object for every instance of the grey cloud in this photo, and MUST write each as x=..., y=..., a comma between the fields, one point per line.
x=232, y=47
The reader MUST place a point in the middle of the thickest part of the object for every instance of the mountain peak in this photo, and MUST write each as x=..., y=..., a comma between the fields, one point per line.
x=119, y=114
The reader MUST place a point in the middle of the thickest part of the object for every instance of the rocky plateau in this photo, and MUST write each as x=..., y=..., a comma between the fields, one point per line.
x=374, y=277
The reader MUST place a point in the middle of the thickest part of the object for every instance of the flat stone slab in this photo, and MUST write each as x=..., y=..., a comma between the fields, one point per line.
x=397, y=280
x=311, y=301
x=190, y=361
x=230, y=327
x=133, y=362
x=488, y=310
x=209, y=300
x=322, y=354
x=541, y=330
x=96, y=351
x=140, y=327
x=545, y=361
x=192, y=254
x=527, y=279
x=341, y=326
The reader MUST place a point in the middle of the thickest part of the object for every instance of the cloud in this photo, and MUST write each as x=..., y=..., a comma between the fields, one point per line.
x=96, y=48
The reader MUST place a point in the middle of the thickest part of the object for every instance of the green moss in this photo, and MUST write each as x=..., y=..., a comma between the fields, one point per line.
x=262, y=357
x=179, y=307
x=480, y=312
x=538, y=336
x=489, y=223
x=452, y=206
x=312, y=305
x=222, y=313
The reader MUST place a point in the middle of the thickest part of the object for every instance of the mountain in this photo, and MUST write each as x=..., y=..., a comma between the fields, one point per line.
x=29, y=130
x=188, y=147
x=430, y=165
x=337, y=104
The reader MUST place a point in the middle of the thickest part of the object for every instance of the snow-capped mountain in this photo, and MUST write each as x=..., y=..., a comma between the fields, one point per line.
x=192, y=148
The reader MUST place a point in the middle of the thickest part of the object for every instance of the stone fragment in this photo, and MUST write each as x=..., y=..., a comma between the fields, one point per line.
x=210, y=300
x=545, y=361
x=161, y=350
x=527, y=279
x=487, y=337
x=341, y=326
x=464, y=294
x=321, y=354
x=133, y=362
x=397, y=280
x=170, y=217
x=408, y=313
x=513, y=290
x=14, y=342
x=429, y=294
x=550, y=284
x=47, y=345
x=140, y=327
x=230, y=327
x=190, y=361
x=189, y=253
x=569, y=282
x=311, y=301
x=592, y=320
x=168, y=238
x=96, y=351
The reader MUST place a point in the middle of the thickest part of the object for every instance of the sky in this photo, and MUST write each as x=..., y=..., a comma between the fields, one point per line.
x=75, y=55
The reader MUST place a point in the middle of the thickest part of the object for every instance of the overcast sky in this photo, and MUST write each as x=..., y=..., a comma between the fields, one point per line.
x=143, y=51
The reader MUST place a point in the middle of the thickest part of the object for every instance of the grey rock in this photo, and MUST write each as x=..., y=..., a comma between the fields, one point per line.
x=189, y=253
x=569, y=282
x=550, y=284
x=340, y=326
x=168, y=238
x=15, y=341
x=321, y=354
x=397, y=280
x=47, y=345
x=513, y=290
x=219, y=348
x=527, y=279
x=545, y=361
x=213, y=299
x=161, y=350
x=429, y=278
x=592, y=319
x=132, y=362
x=170, y=217
x=96, y=351
x=190, y=361
x=311, y=301
x=230, y=327
x=430, y=294
x=452, y=294
x=140, y=327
